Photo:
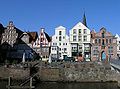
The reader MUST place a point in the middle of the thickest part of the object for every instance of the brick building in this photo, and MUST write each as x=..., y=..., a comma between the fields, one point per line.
x=103, y=46
x=15, y=42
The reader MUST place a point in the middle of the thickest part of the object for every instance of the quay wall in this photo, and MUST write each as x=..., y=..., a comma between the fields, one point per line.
x=14, y=73
x=67, y=72
x=80, y=72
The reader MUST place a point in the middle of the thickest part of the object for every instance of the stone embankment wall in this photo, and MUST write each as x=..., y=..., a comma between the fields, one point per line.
x=79, y=72
x=15, y=73
x=66, y=72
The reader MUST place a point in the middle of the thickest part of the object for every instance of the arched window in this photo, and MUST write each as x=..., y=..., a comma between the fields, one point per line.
x=103, y=34
x=59, y=38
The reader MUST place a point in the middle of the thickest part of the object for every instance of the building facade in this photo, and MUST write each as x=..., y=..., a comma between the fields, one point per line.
x=103, y=46
x=42, y=45
x=60, y=46
x=118, y=45
x=15, y=43
x=80, y=42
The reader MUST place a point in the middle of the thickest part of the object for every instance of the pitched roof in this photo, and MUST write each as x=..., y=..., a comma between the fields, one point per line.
x=1, y=28
x=48, y=37
x=33, y=36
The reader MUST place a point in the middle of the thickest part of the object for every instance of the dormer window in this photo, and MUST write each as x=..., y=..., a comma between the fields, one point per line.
x=85, y=31
x=74, y=31
x=60, y=32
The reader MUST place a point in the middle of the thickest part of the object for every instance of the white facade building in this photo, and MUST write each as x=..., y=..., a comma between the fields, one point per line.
x=60, y=43
x=118, y=45
x=80, y=42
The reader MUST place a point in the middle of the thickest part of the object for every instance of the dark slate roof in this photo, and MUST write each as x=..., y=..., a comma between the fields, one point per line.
x=48, y=37
x=1, y=28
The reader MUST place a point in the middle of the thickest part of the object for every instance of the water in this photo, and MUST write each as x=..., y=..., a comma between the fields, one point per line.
x=53, y=85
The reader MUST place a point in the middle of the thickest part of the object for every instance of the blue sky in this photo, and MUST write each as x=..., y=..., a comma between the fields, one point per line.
x=31, y=15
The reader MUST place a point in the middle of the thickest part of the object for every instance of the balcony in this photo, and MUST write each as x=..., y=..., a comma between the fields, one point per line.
x=87, y=49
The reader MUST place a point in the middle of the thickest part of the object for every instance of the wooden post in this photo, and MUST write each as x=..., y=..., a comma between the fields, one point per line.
x=31, y=82
x=9, y=82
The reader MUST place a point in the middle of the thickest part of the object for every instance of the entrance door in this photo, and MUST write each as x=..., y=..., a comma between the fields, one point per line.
x=103, y=56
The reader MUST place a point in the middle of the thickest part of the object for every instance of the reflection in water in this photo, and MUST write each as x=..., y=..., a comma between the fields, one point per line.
x=77, y=86
x=53, y=85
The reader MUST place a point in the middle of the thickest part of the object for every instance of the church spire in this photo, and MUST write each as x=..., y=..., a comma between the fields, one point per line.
x=84, y=20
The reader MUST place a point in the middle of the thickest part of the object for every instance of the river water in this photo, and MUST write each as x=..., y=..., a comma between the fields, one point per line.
x=53, y=85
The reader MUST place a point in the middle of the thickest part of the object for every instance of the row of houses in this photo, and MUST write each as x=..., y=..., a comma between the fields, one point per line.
x=82, y=44
x=14, y=43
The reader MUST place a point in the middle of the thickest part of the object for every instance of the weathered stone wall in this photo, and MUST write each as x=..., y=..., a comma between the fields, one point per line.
x=49, y=74
x=89, y=72
x=79, y=72
x=15, y=73
x=18, y=73
x=67, y=72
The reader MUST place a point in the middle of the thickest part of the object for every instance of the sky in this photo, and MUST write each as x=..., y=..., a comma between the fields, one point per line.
x=31, y=15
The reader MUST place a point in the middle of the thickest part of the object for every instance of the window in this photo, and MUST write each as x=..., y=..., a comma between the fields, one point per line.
x=60, y=38
x=79, y=38
x=119, y=42
x=85, y=31
x=99, y=41
x=63, y=37
x=55, y=48
x=56, y=37
x=74, y=38
x=52, y=48
x=110, y=41
x=103, y=35
x=59, y=43
x=96, y=48
x=60, y=54
x=79, y=31
x=74, y=31
x=110, y=49
x=54, y=43
x=80, y=47
x=66, y=43
x=85, y=38
x=74, y=49
x=63, y=43
x=95, y=41
x=95, y=53
x=60, y=49
x=119, y=47
x=60, y=32
x=106, y=41
x=91, y=35
x=103, y=42
x=65, y=49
